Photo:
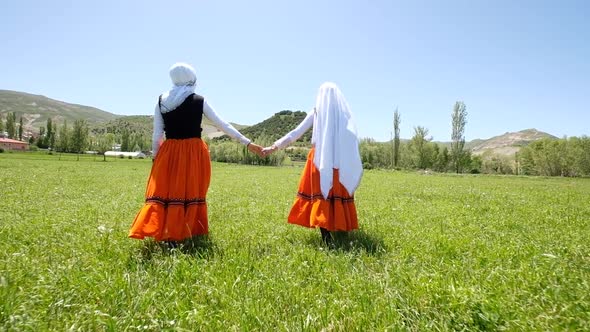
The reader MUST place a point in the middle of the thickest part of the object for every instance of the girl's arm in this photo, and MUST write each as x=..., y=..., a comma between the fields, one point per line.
x=223, y=125
x=158, y=131
x=296, y=133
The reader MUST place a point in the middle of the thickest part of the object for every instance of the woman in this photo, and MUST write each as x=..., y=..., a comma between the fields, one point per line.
x=333, y=171
x=175, y=200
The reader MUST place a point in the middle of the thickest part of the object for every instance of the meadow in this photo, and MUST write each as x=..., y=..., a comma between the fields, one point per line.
x=434, y=252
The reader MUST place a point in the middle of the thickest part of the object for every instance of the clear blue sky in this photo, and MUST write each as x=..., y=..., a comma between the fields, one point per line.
x=515, y=64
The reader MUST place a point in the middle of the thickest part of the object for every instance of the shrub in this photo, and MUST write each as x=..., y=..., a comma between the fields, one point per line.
x=367, y=165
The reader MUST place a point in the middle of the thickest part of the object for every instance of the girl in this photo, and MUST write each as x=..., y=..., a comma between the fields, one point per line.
x=175, y=200
x=325, y=198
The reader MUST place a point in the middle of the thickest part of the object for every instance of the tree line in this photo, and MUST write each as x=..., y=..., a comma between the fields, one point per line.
x=420, y=152
x=13, y=130
x=561, y=157
x=77, y=137
x=545, y=157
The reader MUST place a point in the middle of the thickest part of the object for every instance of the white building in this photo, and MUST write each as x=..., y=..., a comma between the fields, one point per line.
x=137, y=154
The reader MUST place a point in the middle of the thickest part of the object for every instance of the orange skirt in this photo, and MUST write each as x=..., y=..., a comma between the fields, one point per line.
x=336, y=213
x=175, y=207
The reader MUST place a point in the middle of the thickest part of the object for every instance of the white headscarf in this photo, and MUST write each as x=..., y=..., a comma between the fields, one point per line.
x=184, y=79
x=336, y=141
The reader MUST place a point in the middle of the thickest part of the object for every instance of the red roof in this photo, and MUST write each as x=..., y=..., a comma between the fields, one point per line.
x=13, y=141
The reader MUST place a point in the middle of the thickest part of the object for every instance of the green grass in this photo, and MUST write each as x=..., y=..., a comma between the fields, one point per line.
x=434, y=252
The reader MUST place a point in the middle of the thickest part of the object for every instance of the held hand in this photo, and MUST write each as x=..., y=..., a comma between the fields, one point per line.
x=256, y=149
x=268, y=150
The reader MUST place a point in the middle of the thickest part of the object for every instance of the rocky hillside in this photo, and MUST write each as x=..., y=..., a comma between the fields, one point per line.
x=36, y=109
x=508, y=143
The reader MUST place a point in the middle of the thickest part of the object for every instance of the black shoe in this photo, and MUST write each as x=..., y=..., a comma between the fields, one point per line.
x=326, y=236
x=171, y=244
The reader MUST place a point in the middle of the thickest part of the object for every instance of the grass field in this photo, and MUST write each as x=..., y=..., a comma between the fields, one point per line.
x=434, y=252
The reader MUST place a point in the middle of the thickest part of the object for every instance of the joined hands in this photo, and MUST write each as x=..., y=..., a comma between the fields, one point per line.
x=261, y=152
x=256, y=149
x=268, y=150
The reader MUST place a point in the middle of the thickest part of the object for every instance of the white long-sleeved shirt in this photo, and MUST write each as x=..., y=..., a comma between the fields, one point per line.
x=296, y=133
x=208, y=112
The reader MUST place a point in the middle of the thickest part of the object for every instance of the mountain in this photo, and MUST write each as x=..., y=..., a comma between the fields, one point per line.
x=275, y=127
x=36, y=109
x=505, y=144
x=508, y=143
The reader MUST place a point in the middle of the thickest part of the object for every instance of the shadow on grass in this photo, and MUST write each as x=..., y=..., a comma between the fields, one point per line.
x=355, y=241
x=201, y=246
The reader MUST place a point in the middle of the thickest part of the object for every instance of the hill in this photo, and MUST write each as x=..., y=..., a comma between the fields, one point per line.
x=505, y=144
x=275, y=127
x=36, y=109
x=508, y=143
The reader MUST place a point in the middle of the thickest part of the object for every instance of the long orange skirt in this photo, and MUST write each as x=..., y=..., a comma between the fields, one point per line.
x=336, y=213
x=175, y=199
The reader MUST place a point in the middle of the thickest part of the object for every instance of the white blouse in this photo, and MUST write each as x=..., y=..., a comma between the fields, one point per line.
x=296, y=133
x=208, y=112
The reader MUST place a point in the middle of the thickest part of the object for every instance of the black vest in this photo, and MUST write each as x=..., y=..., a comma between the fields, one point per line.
x=185, y=120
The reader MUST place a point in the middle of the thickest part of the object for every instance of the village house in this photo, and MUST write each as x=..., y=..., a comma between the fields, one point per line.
x=12, y=144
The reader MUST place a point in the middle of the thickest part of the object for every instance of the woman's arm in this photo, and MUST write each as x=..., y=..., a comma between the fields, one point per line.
x=230, y=130
x=296, y=133
x=158, y=131
x=291, y=136
x=223, y=125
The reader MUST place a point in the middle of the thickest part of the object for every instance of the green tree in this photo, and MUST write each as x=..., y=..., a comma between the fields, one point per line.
x=105, y=143
x=584, y=160
x=396, y=141
x=20, y=129
x=50, y=136
x=125, y=140
x=1, y=125
x=41, y=138
x=442, y=161
x=63, y=141
x=368, y=152
x=11, y=125
x=421, y=147
x=546, y=157
x=549, y=157
x=473, y=162
x=79, y=137
x=137, y=142
x=459, y=120
x=526, y=161
x=492, y=163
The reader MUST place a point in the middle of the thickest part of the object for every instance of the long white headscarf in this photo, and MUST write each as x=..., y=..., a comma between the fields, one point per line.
x=184, y=79
x=336, y=141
